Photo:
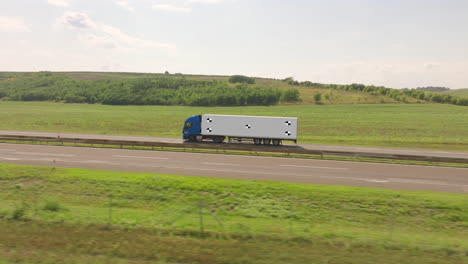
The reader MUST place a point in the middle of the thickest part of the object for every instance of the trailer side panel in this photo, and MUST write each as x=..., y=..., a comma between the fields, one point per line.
x=284, y=128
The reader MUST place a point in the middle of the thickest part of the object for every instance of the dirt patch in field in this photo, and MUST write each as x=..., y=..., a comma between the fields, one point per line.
x=31, y=182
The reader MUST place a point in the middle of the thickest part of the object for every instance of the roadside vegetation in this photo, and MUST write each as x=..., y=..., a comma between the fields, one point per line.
x=47, y=86
x=192, y=90
x=121, y=217
x=424, y=126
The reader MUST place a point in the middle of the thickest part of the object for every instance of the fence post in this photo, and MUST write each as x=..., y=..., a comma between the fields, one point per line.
x=392, y=225
x=36, y=198
x=200, y=213
x=392, y=221
x=110, y=211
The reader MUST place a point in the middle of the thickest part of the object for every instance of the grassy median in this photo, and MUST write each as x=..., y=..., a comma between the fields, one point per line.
x=242, y=221
x=425, y=126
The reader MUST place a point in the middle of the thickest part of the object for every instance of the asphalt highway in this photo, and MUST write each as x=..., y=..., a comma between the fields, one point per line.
x=453, y=154
x=407, y=177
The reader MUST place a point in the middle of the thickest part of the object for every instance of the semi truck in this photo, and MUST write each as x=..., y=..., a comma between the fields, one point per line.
x=258, y=129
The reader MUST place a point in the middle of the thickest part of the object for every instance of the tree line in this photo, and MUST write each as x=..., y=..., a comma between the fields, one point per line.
x=237, y=91
x=47, y=86
x=398, y=95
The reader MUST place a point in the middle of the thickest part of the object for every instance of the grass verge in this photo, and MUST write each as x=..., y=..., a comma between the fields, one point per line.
x=118, y=216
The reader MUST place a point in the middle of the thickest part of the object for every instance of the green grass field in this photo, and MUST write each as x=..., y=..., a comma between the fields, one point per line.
x=423, y=126
x=52, y=214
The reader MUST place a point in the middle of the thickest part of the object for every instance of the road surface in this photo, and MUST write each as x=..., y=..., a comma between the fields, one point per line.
x=392, y=176
x=452, y=154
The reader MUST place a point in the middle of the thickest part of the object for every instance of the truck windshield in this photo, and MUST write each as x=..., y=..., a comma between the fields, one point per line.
x=187, y=125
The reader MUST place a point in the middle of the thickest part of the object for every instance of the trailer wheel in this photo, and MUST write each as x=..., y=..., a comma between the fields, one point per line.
x=276, y=142
x=257, y=141
x=219, y=139
x=266, y=141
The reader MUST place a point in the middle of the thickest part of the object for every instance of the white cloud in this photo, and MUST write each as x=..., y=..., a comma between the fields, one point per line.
x=105, y=36
x=127, y=41
x=125, y=5
x=182, y=6
x=431, y=65
x=172, y=8
x=206, y=1
x=58, y=2
x=93, y=40
x=13, y=24
x=77, y=20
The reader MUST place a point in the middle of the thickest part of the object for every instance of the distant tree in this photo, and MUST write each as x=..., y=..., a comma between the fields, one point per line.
x=318, y=98
x=290, y=96
x=462, y=101
x=436, y=98
x=241, y=79
x=432, y=89
x=357, y=87
x=166, y=72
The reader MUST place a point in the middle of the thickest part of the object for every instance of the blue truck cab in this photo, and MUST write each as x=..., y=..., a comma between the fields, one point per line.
x=192, y=127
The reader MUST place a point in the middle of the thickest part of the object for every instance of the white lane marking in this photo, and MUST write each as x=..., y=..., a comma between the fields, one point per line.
x=314, y=167
x=45, y=154
x=153, y=166
x=96, y=162
x=378, y=181
x=226, y=164
x=465, y=188
x=9, y=158
x=410, y=181
x=50, y=159
x=7, y=150
x=275, y=173
x=77, y=161
x=139, y=157
x=90, y=162
x=419, y=181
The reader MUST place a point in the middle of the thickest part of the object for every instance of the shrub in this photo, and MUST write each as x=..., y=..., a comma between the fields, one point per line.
x=318, y=98
x=19, y=213
x=241, y=79
x=290, y=96
x=53, y=206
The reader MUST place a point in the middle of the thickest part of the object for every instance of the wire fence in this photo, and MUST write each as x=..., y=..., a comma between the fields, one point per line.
x=26, y=203
x=37, y=204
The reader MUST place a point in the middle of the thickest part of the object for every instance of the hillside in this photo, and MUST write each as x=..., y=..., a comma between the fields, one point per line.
x=197, y=90
x=306, y=94
x=458, y=92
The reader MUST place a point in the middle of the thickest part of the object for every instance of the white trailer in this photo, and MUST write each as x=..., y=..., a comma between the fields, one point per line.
x=259, y=129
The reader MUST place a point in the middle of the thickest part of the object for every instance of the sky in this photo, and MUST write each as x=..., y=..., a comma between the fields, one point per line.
x=393, y=43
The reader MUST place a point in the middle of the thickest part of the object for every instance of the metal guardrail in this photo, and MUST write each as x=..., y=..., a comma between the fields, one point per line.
x=235, y=147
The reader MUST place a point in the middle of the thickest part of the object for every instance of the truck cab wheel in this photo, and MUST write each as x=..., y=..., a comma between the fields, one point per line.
x=195, y=138
x=266, y=141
